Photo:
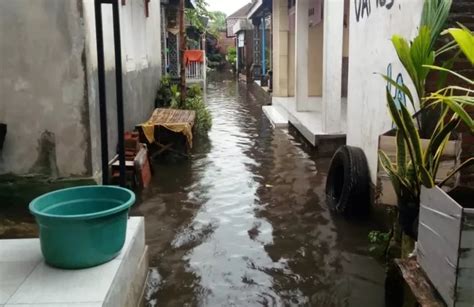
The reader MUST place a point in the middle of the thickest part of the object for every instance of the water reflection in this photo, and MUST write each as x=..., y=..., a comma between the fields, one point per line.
x=244, y=223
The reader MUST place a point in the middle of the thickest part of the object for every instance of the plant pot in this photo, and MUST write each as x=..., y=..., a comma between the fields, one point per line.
x=408, y=218
x=445, y=248
x=83, y=226
x=385, y=194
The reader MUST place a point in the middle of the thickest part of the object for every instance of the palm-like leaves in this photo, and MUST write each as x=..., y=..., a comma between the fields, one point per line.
x=434, y=16
x=415, y=56
x=416, y=165
x=465, y=41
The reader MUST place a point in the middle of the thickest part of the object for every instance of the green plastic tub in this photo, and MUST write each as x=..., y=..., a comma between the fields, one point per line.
x=82, y=227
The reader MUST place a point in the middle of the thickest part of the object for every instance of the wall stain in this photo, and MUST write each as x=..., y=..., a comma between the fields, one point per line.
x=46, y=163
x=85, y=115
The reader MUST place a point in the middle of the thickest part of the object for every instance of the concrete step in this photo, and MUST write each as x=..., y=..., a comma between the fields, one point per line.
x=277, y=116
x=29, y=281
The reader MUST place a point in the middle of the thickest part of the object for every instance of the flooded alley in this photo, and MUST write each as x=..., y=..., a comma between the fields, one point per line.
x=244, y=221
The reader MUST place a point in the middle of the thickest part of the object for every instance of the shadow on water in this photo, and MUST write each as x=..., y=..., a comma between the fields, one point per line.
x=244, y=221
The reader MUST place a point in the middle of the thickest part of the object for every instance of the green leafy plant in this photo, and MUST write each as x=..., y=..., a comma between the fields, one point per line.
x=175, y=101
x=195, y=101
x=163, y=96
x=198, y=16
x=416, y=164
x=378, y=242
x=232, y=56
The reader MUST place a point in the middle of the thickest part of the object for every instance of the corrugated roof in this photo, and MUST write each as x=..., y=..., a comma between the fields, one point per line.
x=242, y=12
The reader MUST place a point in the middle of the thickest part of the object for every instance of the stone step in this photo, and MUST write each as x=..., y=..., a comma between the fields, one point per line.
x=27, y=280
x=277, y=116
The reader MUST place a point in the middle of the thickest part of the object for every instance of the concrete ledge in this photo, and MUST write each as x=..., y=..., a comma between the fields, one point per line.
x=308, y=123
x=26, y=280
x=276, y=116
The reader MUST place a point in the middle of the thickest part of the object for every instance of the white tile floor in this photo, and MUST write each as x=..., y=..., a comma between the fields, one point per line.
x=27, y=281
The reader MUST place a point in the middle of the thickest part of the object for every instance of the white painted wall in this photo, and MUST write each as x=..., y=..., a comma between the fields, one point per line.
x=48, y=79
x=141, y=64
x=370, y=52
x=332, y=65
x=42, y=86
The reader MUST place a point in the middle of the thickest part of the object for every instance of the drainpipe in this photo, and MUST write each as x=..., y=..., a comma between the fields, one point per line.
x=102, y=90
x=3, y=134
x=102, y=95
x=119, y=91
x=264, y=72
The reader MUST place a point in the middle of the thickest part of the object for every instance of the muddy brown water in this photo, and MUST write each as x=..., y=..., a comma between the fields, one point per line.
x=244, y=221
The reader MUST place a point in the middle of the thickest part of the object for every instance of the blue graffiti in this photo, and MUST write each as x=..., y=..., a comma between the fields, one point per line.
x=399, y=97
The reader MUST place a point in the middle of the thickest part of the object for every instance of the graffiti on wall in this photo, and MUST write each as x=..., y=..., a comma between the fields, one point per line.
x=363, y=8
x=398, y=96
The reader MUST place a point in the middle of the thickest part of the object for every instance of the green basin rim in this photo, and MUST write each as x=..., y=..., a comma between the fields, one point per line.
x=127, y=204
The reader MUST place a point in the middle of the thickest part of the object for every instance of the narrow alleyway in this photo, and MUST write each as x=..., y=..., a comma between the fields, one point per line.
x=244, y=222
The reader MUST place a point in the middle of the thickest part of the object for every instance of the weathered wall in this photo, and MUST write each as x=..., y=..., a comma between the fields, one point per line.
x=42, y=88
x=141, y=61
x=291, y=53
x=315, y=61
x=48, y=82
x=371, y=52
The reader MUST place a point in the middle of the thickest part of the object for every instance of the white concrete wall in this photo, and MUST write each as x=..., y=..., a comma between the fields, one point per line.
x=48, y=81
x=42, y=87
x=370, y=52
x=141, y=64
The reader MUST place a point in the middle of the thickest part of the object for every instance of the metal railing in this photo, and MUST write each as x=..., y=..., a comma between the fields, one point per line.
x=196, y=71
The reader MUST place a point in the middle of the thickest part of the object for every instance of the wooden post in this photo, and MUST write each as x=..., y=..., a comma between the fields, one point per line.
x=182, y=48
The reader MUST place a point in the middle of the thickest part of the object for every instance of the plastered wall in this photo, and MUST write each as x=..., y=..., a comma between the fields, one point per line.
x=371, y=53
x=49, y=88
x=43, y=88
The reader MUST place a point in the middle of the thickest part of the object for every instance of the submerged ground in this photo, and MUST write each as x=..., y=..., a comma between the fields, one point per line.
x=244, y=221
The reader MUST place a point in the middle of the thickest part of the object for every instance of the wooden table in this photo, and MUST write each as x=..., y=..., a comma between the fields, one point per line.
x=165, y=127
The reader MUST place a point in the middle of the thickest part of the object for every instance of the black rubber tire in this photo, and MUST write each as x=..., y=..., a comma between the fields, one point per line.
x=348, y=182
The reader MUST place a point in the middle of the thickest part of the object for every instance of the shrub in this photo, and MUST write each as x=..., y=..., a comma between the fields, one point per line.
x=232, y=56
x=164, y=94
x=195, y=101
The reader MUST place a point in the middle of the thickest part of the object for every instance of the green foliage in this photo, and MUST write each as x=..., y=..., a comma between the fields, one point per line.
x=434, y=16
x=465, y=40
x=175, y=101
x=198, y=16
x=217, y=23
x=169, y=95
x=232, y=56
x=418, y=55
x=195, y=101
x=421, y=167
x=414, y=56
x=378, y=242
x=205, y=21
x=164, y=95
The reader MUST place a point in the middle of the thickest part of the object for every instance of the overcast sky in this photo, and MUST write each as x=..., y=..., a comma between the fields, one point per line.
x=226, y=6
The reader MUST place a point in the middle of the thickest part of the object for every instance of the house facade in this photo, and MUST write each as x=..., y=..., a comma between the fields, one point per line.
x=49, y=82
x=260, y=14
x=328, y=57
x=310, y=56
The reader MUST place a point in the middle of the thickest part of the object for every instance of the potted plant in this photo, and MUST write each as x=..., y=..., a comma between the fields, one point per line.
x=414, y=55
x=445, y=237
x=445, y=248
x=424, y=129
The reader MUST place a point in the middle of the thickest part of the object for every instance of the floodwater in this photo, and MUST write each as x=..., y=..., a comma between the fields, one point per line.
x=244, y=221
